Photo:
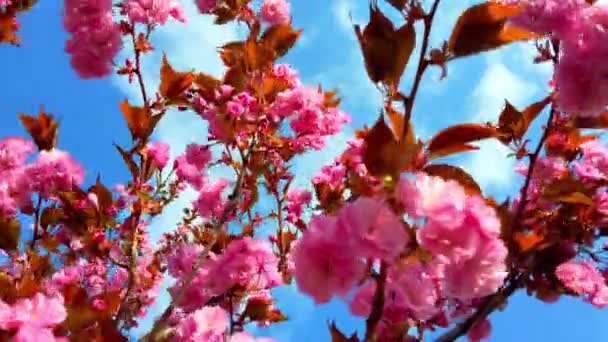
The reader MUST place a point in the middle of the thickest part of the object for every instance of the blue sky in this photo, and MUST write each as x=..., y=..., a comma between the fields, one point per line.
x=39, y=73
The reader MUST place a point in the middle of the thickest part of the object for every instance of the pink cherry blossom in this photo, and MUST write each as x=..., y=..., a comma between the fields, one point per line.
x=158, y=152
x=210, y=202
x=275, y=12
x=206, y=6
x=206, y=324
x=481, y=331
x=246, y=337
x=432, y=197
x=324, y=264
x=54, y=170
x=296, y=200
x=375, y=229
x=153, y=11
x=584, y=279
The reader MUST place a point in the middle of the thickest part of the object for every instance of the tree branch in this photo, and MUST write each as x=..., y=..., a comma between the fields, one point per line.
x=422, y=64
x=494, y=301
x=158, y=330
x=377, y=305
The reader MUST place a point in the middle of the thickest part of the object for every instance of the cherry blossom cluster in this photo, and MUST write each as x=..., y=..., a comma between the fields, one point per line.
x=582, y=29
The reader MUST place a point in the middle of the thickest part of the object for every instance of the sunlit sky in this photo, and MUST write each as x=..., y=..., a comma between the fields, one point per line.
x=39, y=73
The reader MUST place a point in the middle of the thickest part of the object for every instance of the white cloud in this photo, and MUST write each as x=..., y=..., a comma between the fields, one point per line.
x=490, y=165
x=345, y=13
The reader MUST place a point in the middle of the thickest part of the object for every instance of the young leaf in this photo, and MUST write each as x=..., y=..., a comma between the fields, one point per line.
x=173, y=84
x=43, y=129
x=397, y=122
x=484, y=27
x=383, y=155
x=378, y=37
x=280, y=38
x=456, y=139
x=455, y=173
x=8, y=27
x=139, y=119
x=399, y=5
x=528, y=241
x=10, y=231
x=338, y=336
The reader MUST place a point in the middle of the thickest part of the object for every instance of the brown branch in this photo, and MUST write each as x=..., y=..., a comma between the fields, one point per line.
x=158, y=330
x=377, y=305
x=36, y=223
x=496, y=300
x=422, y=64
x=140, y=78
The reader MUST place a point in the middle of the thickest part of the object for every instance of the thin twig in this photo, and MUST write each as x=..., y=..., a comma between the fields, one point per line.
x=422, y=64
x=36, y=223
x=496, y=300
x=161, y=322
x=377, y=305
x=140, y=77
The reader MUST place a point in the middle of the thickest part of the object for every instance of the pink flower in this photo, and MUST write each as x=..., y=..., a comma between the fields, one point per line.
x=181, y=262
x=206, y=324
x=210, y=202
x=158, y=152
x=585, y=280
x=206, y=6
x=480, y=331
x=153, y=11
x=191, y=166
x=246, y=337
x=432, y=197
x=13, y=152
x=583, y=85
x=275, y=12
x=296, y=200
x=375, y=229
x=34, y=317
x=286, y=73
x=96, y=39
x=54, y=170
x=324, y=262
x=480, y=275
x=593, y=165
x=550, y=16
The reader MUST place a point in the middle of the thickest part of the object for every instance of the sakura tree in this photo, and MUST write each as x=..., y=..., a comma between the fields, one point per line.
x=408, y=240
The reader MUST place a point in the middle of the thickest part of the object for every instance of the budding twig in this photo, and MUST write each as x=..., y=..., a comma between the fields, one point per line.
x=377, y=305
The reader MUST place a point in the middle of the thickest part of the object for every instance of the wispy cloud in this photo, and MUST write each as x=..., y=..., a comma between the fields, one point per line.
x=490, y=166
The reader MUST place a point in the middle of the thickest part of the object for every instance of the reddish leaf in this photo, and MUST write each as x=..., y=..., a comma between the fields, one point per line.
x=104, y=196
x=50, y=216
x=397, y=4
x=575, y=198
x=10, y=231
x=133, y=168
x=206, y=82
x=173, y=84
x=596, y=122
x=528, y=241
x=484, y=27
x=8, y=27
x=280, y=38
x=338, y=336
x=533, y=110
x=455, y=139
x=139, y=119
x=383, y=155
x=455, y=173
x=380, y=36
x=43, y=129
x=397, y=122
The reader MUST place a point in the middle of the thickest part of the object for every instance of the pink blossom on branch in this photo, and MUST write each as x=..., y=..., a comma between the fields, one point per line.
x=153, y=11
x=275, y=12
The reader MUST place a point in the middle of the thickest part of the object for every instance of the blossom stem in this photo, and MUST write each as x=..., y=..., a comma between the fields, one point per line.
x=36, y=223
x=377, y=305
x=516, y=280
x=140, y=78
x=422, y=64
x=161, y=323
